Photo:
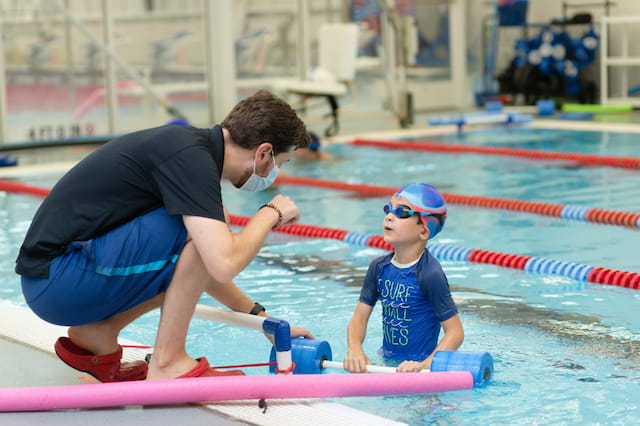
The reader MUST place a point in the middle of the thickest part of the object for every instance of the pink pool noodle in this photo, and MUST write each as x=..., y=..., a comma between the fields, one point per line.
x=203, y=389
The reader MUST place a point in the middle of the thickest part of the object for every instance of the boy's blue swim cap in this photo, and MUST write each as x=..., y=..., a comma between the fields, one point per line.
x=425, y=198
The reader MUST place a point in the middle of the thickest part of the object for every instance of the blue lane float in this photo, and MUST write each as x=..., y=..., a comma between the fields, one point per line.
x=313, y=356
x=556, y=267
x=357, y=238
x=575, y=213
x=480, y=364
x=450, y=252
x=307, y=355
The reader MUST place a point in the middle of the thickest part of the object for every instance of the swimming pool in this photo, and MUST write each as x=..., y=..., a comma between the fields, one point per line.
x=565, y=351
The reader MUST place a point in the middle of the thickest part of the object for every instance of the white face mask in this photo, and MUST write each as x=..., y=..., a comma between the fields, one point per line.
x=258, y=183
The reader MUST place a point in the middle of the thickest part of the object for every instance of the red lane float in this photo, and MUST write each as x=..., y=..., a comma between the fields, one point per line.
x=614, y=277
x=583, y=159
x=20, y=188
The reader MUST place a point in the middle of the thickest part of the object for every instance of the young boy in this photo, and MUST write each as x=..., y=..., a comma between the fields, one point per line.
x=411, y=285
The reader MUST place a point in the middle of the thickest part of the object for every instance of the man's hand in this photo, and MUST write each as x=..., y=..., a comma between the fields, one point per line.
x=286, y=206
x=301, y=332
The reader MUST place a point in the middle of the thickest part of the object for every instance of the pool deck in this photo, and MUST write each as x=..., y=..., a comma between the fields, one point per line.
x=26, y=353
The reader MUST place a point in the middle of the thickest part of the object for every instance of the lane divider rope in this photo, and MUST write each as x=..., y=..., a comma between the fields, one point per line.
x=577, y=213
x=530, y=264
x=581, y=159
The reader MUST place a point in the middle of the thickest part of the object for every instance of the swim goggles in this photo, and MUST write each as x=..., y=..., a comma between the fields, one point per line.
x=403, y=212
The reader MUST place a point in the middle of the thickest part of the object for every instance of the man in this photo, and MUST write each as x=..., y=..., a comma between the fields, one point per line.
x=140, y=224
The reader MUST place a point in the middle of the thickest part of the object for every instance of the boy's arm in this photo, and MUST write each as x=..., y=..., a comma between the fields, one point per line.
x=356, y=361
x=453, y=337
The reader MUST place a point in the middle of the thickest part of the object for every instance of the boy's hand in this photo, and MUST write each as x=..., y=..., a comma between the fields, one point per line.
x=411, y=367
x=356, y=363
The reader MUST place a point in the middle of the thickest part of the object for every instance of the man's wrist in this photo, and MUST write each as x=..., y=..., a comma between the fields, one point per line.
x=257, y=308
x=277, y=210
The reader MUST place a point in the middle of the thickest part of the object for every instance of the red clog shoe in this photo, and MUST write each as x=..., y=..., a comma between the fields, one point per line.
x=204, y=370
x=106, y=368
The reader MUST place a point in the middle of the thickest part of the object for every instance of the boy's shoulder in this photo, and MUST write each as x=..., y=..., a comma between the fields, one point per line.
x=430, y=273
x=427, y=256
x=379, y=261
x=427, y=260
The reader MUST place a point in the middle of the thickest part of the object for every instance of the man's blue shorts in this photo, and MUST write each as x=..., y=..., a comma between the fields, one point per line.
x=96, y=279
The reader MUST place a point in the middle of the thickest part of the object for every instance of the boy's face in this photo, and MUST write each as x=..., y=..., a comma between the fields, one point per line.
x=399, y=231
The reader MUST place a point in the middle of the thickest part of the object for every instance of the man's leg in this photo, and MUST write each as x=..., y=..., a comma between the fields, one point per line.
x=101, y=338
x=190, y=278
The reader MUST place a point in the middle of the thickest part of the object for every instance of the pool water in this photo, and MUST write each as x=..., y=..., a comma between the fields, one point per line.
x=565, y=351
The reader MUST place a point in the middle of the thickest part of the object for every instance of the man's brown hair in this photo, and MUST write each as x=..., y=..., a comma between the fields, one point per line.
x=263, y=117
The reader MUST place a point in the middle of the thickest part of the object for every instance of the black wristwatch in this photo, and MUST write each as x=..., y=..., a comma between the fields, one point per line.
x=257, y=308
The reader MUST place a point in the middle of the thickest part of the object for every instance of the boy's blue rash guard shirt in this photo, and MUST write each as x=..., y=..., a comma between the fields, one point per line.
x=415, y=300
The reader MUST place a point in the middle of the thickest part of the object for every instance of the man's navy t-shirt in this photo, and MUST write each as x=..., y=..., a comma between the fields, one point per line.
x=176, y=167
